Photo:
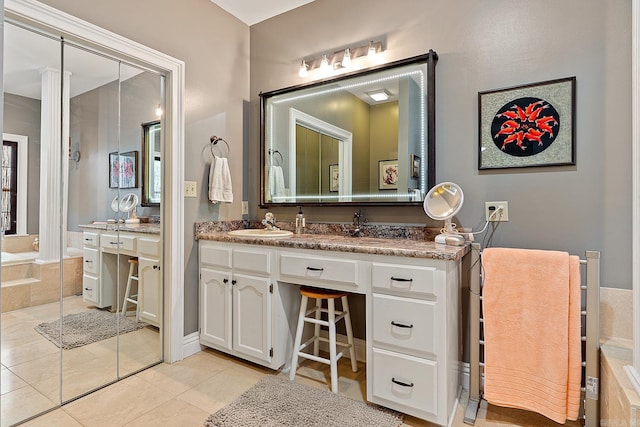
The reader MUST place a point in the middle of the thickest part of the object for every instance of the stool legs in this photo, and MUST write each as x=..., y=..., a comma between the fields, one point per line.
x=127, y=293
x=298, y=339
x=316, y=329
x=347, y=323
x=333, y=362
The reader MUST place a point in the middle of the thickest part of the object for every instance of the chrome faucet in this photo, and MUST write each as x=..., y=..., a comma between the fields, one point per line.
x=358, y=220
x=269, y=221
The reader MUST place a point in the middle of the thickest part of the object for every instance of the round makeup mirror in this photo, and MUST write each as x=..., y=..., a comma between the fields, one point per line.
x=443, y=202
x=128, y=204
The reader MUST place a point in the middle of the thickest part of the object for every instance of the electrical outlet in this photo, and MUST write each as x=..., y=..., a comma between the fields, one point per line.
x=245, y=207
x=190, y=189
x=491, y=207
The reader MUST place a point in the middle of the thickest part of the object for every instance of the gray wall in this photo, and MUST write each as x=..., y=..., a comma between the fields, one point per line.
x=483, y=46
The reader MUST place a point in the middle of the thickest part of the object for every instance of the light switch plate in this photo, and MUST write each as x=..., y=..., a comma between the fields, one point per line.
x=190, y=189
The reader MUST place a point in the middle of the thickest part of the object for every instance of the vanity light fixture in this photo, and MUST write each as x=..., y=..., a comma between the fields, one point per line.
x=303, y=69
x=340, y=59
x=379, y=95
x=159, y=110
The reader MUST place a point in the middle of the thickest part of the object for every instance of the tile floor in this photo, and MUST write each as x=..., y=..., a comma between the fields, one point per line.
x=31, y=365
x=182, y=394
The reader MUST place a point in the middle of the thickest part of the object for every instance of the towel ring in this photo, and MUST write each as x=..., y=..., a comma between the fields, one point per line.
x=272, y=152
x=214, y=141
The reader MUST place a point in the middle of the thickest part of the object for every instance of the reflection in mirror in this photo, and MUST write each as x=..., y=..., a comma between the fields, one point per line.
x=151, y=165
x=362, y=138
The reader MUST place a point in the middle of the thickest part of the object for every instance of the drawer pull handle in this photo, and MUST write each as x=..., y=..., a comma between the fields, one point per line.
x=87, y=240
x=225, y=280
x=87, y=260
x=403, y=384
x=401, y=325
x=315, y=269
x=115, y=243
x=88, y=289
x=400, y=279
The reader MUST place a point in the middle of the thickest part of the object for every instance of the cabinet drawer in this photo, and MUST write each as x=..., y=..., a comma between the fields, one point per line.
x=91, y=261
x=90, y=289
x=319, y=269
x=252, y=260
x=404, y=278
x=121, y=243
x=405, y=380
x=410, y=325
x=149, y=247
x=91, y=239
x=214, y=255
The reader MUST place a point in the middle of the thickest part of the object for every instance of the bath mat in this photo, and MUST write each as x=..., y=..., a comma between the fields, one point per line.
x=83, y=328
x=276, y=401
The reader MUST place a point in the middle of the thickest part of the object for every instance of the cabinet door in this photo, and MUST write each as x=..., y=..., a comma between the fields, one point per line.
x=215, y=308
x=149, y=280
x=252, y=316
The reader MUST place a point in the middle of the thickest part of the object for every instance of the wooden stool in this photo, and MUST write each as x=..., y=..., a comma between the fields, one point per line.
x=314, y=316
x=133, y=299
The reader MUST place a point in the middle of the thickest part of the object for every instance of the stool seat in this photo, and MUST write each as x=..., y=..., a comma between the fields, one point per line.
x=133, y=260
x=314, y=316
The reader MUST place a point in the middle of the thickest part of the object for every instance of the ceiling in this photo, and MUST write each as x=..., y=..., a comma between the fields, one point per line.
x=253, y=11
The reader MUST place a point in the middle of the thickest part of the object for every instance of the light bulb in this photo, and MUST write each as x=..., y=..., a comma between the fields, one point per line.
x=324, y=64
x=303, y=69
x=372, y=50
x=346, y=59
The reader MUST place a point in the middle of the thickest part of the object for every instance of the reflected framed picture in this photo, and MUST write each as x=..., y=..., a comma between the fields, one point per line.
x=415, y=166
x=388, y=174
x=123, y=170
x=334, y=178
x=527, y=126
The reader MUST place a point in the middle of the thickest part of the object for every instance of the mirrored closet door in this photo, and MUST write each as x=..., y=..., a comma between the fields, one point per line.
x=82, y=247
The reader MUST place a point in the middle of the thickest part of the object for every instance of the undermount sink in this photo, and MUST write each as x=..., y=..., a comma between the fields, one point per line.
x=261, y=233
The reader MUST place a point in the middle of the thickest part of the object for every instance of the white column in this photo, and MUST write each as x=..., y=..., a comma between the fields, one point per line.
x=54, y=165
x=634, y=370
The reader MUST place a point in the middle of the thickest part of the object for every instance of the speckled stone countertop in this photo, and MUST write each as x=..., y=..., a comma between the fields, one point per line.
x=407, y=241
x=147, y=228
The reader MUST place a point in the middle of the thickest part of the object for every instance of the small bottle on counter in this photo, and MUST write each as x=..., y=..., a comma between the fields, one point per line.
x=300, y=222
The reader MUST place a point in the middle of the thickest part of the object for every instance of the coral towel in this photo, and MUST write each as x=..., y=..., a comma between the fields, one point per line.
x=220, y=181
x=531, y=307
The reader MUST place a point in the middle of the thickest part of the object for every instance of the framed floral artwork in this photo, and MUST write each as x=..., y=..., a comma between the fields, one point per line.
x=123, y=170
x=530, y=125
x=388, y=174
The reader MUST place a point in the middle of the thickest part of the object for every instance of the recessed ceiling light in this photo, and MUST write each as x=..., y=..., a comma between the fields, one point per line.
x=379, y=95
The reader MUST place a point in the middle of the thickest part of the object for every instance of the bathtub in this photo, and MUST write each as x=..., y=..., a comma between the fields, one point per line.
x=9, y=258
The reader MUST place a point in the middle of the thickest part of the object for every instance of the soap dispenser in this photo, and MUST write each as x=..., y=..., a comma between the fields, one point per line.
x=300, y=223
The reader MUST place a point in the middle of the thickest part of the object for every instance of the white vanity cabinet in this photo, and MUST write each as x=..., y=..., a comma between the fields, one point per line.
x=242, y=309
x=413, y=350
x=106, y=254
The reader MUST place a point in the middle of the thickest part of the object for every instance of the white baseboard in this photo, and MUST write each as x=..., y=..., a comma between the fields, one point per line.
x=191, y=344
x=360, y=345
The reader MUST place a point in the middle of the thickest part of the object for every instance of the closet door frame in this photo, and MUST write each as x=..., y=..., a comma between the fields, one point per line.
x=172, y=210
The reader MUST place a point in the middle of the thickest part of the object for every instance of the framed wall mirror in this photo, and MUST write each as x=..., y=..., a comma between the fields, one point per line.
x=151, y=163
x=326, y=143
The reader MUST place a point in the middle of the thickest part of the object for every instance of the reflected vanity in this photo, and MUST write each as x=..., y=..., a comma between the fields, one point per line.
x=365, y=138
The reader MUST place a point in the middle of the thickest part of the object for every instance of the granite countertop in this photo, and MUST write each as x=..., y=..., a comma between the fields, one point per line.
x=147, y=228
x=407, y=245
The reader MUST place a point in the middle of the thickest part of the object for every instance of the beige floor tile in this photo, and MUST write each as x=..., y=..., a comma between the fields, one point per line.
x=10, y=381
x=176, y=378
x=171, y=414
x=220, y=389
x=57, y=418
x=117, y=404
x=21, y=404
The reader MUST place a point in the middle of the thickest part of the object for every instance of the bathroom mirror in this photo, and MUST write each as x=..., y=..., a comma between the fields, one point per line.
x=443, y=202
x=151, y=164
x=332, y=143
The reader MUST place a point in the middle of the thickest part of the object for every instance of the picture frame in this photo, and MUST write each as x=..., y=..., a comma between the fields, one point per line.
x=123, y=169
x=415, y=166
x=527, y=126
x=388, y=174
x=334, y=178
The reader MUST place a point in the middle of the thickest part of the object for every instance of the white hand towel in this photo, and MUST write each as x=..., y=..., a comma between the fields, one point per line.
x=276, y=181
x=220, y=181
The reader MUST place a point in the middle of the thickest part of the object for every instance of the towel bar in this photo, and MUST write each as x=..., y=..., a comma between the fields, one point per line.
x=590, y=353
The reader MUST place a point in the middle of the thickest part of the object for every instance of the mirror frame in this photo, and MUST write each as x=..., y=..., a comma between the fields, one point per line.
x=145, y=167
x=430, y=59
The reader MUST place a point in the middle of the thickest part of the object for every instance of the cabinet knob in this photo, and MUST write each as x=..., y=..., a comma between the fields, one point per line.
x=225, y=280
x=402, y=383
x=156, y=267
x=233, y=282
